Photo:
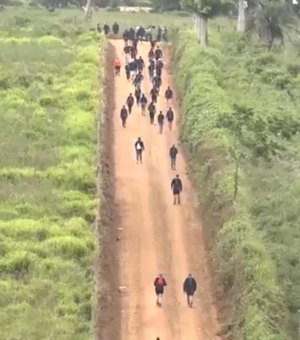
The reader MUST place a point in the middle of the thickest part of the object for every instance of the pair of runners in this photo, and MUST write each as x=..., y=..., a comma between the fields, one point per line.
x=189, y=288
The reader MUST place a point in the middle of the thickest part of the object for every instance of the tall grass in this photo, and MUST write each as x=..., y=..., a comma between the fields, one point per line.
x=48, y=98
x=240, y=123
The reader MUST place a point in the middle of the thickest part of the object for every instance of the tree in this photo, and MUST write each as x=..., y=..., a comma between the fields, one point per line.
x=203, y=10
x=241, y=23
x=268, y=19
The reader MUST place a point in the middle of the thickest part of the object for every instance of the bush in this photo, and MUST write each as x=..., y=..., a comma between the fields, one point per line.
x=233, y=107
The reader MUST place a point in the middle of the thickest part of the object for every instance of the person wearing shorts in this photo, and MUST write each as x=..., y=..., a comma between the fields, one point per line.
x=176, y=186
x=159, y=284
x=139, y=148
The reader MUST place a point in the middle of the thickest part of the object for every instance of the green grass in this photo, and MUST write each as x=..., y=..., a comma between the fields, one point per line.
x=48, y=98
x=241, y=109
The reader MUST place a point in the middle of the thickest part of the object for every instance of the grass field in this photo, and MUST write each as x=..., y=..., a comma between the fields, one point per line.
x=48, y=99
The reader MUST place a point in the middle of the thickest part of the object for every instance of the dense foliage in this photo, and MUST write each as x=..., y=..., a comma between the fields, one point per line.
x=240, y=122
x=48, y=97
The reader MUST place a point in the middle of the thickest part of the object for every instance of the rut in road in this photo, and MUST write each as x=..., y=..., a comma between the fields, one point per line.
x=156, y=236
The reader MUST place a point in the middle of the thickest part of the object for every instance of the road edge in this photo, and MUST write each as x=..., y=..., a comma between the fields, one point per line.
x=107, y=311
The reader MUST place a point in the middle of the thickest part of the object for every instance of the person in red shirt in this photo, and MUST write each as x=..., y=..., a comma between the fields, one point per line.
x=159, y=284
x=117, y=65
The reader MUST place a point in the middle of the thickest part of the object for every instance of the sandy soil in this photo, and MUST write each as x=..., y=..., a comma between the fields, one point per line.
x=156, y=236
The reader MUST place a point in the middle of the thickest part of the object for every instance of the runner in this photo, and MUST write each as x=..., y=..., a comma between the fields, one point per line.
x=130, y=102
x=159, y=284
x=124, y=115
x=189, y=287
x=173, y=154
x=170, y=118
x=117, y=65
x=139, y=148
x=160, y=120
x=138, y=93
x=143, y=102
x=152, y=112
x=154, y=94
x=176, y=186
x=169, y=95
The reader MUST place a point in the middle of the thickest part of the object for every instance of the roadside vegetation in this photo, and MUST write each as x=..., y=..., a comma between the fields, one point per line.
x=241, y=106
x=48, y=103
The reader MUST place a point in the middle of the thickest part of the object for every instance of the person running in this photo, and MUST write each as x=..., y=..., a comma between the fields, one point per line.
x=159, y=284
x=124, y=115
x=169, y=95
x=160, y=120
x=106, y=29
x=152, y=112
x=138, y=93
x=99, y=28
x=173, y=154
x=189, y=288
x=115, y=28
x=130, y=102
x=140, y=64
x=117, y=65
x=127, y=71
x=158, y=53
x=157, y=82
x=170, y=117
x=137, y=82
x=154, y=94
x=139, y=148
x=143, y=102
x=176, y=186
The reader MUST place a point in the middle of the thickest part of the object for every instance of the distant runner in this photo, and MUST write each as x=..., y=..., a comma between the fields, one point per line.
x=170, y=118
x=130, y=102
x=160, y=120
x=138, y=93
x=124, y=115
x=173, y=154
x=159, y=284
x=158, y=53
x=115, y=28
x=117, y=65
x=154, y=94
x=169, y=95
x=176, y=186
x=139, y=148
x=152, y=112
x=189, y=287
x=143, y=102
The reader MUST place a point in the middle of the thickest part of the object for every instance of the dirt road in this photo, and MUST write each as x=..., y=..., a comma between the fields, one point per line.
x=156, y=236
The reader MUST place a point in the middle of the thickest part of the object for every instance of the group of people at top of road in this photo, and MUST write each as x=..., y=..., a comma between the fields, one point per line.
x=146, y=33
x=134, y=70
x=134, y=67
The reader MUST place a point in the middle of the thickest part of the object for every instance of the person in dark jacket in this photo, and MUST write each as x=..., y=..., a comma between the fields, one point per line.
x=173, y=154
x=152, y=112
x=176, y=186
x=137, y=82
x=124, y=115
x=160, y=120
x=130, y=102
x=139, y=148
x=189, y=288
x=115, y=28
x=158, y=53
x=159, y=284
x=143, y=102
x=99, y=28
x=169, y=95
x=137, y=94
x=154, y=94
x=170, y=117
x=106, y=29
x=127, y=71
x=157, y=82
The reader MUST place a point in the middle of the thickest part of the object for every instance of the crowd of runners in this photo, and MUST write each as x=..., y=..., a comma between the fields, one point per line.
x=135, y=69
